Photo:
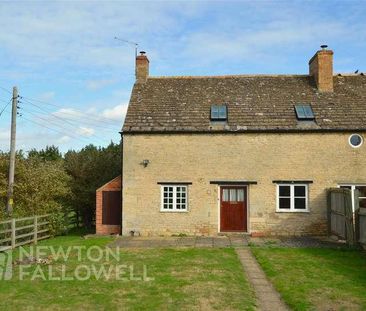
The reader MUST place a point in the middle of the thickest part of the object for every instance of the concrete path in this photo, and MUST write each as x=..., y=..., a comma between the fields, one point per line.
x=267, y=297
x=189, y=241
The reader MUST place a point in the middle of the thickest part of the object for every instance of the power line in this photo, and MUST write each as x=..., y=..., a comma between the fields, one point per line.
x=83, y=113
x=4, y=100
x=66, y=131
x=6, y=90
x=71, y=122
x=1, y=112
x=52, y=129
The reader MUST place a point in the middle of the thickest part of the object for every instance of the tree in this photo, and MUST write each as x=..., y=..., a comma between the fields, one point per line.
x=40, y=187
x=50, y=153
x=90, y=168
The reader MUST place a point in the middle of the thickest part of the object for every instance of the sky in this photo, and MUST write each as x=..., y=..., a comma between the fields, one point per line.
x=75, y=79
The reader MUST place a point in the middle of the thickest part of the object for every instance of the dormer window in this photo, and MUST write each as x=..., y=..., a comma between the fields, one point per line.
x=218, y=113
x=304, y=112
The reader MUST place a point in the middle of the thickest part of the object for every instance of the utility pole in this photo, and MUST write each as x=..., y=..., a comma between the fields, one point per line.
x=9, y=205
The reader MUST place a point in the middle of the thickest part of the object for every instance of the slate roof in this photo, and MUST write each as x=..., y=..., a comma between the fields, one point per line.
x=255, y=103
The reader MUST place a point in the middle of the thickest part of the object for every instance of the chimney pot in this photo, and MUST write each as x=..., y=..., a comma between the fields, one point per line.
x=321, y=69
x=142, y=67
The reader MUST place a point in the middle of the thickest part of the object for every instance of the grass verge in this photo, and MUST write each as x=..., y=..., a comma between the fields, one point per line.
x=316, y=279
x=184, y=279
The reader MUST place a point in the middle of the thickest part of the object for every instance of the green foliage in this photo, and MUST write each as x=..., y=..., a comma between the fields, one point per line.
x=47, y=183
x=90, y=168
x=40, y=187
x=59, y=224
x=50, y=153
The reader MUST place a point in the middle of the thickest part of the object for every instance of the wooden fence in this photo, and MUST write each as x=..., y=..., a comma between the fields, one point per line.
x=20, y=231
x=361, y=227
x=340, y=214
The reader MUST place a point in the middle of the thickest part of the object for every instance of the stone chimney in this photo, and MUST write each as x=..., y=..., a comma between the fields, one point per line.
x=142, y=68
x=321, y=68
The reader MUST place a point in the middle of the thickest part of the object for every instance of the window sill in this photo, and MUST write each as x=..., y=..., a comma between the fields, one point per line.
x=292, y=211
x=173, y=211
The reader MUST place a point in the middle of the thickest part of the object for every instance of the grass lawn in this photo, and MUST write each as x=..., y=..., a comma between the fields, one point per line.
x=184, y=279
x=316, y=279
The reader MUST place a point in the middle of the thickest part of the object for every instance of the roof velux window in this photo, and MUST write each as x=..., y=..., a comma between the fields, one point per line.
x=304, y=112
x=218, y=113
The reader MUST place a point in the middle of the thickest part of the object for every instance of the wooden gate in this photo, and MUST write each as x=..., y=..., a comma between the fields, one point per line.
x=340, y=214
x=361, y=226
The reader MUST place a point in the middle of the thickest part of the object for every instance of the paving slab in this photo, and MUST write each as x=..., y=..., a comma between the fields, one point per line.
x=268, y=299
x=163, y=242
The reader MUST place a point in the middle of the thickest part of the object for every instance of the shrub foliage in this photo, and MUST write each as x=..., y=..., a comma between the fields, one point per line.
x=46, y=182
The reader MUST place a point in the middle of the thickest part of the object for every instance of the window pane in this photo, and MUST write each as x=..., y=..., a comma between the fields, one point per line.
x=308, y=112
x=362, y=203
x=222, y=112
x=233, y=195
x=300, y=111
x=355, y=140
x=362, y=190
x=284, y=203
x=225, y=195
x=346, y=187
x=300, y=191
x=240, y=194
x=214, y=112
x=284, y=191
x=300, y=203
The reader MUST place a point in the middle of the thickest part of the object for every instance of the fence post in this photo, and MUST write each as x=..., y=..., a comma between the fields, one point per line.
x=13, y=233
x=35, y=233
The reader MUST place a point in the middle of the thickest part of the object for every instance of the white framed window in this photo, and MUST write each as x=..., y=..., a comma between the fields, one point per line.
x=174, y=198
x=362, y=193
x=292, y=198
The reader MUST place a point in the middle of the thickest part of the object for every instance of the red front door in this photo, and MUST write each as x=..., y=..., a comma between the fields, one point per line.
x=233, y=208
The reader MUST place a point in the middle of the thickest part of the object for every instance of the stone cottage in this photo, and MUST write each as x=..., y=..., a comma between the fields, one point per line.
x=251, y=154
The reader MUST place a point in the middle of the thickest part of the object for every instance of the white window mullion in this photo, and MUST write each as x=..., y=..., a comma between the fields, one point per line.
x=292, y=195
x=174, y=198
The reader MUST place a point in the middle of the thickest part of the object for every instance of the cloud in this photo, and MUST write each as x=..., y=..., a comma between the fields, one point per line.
x=85, y=131
x=80, y=32
x=116, y=113
x=68, y=113
x=64, y=139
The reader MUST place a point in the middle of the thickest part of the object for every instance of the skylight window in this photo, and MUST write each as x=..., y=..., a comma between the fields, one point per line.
x=304, y=112
x=218, y=113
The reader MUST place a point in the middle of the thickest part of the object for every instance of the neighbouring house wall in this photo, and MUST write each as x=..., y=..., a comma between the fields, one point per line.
x=113, y=185
x=326, y=159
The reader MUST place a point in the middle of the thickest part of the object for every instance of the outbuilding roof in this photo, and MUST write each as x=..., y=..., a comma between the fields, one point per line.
x=255, y=103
